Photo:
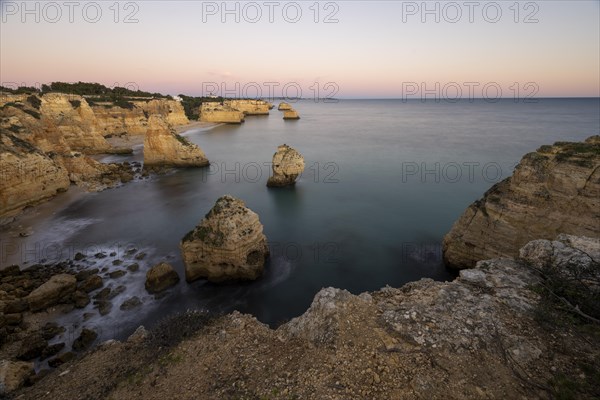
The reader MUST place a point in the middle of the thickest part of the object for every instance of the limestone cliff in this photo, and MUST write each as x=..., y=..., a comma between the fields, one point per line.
x=163, y=147
x=27, y=175
x=115, y=120
x=553, y=190
x=228, y=244
x=249, y=107
x=172, y=111
x=219, y=113
x=287, y=165
x=74, y=119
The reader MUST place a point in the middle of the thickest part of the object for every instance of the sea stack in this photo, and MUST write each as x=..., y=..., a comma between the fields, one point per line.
x=227, y=245
x=291, y=114
x=552, y=191
x=287, y=165
x=284, y=106
x=163, y=147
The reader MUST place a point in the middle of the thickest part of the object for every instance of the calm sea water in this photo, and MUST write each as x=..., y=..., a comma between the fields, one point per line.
x=384, y=182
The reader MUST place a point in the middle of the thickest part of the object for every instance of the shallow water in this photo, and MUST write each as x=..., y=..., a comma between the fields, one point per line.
x=384, y=182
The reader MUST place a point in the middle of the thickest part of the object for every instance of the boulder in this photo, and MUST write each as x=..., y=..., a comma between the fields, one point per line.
x=32, y=347
x=13, y=375
x=160, y=278
x=164, y=147
x=57, y=289
x=287, y=165
x=228, y=244
x=552, y=191
x=85, y=339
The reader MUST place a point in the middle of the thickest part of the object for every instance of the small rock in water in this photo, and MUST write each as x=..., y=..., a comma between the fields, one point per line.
x=79, y=257
x=32, y=347
x=116, y=274
x=113, y=254
x=133, y=267
x=161, y=277
x=51, y=350
x=81, y=299
x=117, y=262
x=84, y=340
x=140, y=256
x=51, y=329
x=100, y=255
x=104, y=306
x=131, y=303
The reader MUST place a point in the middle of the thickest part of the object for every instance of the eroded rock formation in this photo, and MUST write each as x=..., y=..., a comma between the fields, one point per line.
x=249, y=107
x=291, y=114
x=284, y=106
x=219, y=113
x=553, y=190
x=228, y=244
x=287, y=165
x=161, y=277
x=164, y=147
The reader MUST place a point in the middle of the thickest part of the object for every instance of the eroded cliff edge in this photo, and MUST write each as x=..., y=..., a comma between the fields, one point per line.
x=481, y=336
x=553, y=190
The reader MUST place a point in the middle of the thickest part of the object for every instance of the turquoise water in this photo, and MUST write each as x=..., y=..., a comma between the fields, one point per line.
x=384, y=182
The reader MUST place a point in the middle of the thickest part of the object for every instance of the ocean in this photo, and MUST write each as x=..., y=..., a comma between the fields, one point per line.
x=384, y=181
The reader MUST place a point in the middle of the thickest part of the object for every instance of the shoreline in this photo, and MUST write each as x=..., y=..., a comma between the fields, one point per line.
x=133, y=141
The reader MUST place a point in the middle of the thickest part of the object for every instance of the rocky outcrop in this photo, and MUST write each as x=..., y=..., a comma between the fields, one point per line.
x=27, y=175
x=284, y=106
x=164, y=147
x=291, y=114
x=171, y=110
x=57, y=289
x=553, y=190
x=219, y=113
x=228, y=244
x=287, y=165
x=161, y=277
x=249, y=107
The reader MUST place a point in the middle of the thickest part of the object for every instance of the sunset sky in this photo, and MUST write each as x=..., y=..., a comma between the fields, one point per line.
x=374, y=49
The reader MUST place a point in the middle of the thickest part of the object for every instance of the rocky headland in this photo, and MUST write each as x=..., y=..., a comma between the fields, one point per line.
x=220, y=113
x=250, y=107
x=227, y=245
x=287, y=165
x=553, y=190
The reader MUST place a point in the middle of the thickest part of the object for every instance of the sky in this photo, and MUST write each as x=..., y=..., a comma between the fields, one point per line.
x=344, y=49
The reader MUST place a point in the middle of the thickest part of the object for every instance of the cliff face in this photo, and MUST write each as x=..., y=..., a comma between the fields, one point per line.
x=37, y=155
x=27, y=175
x=163, y=147
x=117, y=121
x=553, y=190
x=218, y=113
x=172, y=111
x=249, y=107
x=75, y=121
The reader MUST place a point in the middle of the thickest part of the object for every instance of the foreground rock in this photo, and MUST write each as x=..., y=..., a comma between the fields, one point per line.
x=13, y=375
x=554, y=190
x=476, y=337
x=288, y=164
x=58, y=289
x=161, y=277
x=229, y=244
x=219, y=113
x=164, y=147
